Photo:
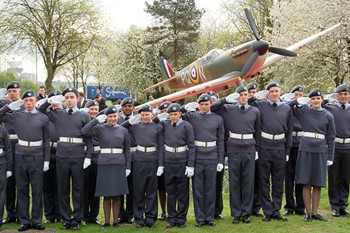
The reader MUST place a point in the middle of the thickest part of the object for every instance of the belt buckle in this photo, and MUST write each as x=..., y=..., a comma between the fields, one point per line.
x=174, y=149
x=206, y=144
x=343, y=140
x=273, y=137
x=145, y=149
x=70, y=140
x=242, y=137
x=316, y=135
x=28, y=143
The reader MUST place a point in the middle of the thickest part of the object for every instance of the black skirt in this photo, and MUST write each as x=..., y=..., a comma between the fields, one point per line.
x=111, y=180
x=311, y=168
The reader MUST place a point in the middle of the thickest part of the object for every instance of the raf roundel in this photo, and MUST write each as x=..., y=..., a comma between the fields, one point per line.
x=15, y=85
x=318, y=93
x=29, y=94
x=174, y=108
x=70, y=89
x=114, y=109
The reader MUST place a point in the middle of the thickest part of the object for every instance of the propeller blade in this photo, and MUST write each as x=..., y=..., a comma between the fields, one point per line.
x=283, y=52
x=248, y=65
x=252, y=23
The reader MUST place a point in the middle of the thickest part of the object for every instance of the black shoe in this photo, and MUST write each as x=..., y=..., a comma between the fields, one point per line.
x=140, y=225
x=344, y=212
x=280, y=218
x=162, y=217
x=120, y=220
x=65, y=226
x=300, y=212
x=218, y=217
x=38, y=227
x=335, y=213
x=24, y=227
x=50, y=221
x=307, y=218
x=171, y=225
x=150, y=224
x=84, y=223
x=115, y=224
x=106, y=225
x=236, y=220
x=288, y=212
x=75, y=226
x=9, y=220
x=256, y=214
x=210, y=223
x=245, y=219
x=319, y=218
x=129, y=221
x=181, y=225
x=200, y=224
x=266, y=218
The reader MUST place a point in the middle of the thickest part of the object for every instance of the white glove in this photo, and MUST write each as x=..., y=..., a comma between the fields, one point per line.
x=163, y=116
x=189, y=172
x=287, y=97
x=127, y=172
x=3, y=92
x=232, y=98
x=134, y=120
x=118, y=107
x=191, y=107
x=219, y=167
x=101, y=118
x=331, y=97
x=256, y=155
x=56, y=99
x=287, y=158
x=160, y=170
x=329, y=162
x=303, y=100
x=16, y=105
x=8, y=174
x=40, y=102
x=84, y=110
x=261, y=94
x=87, y=162
x=46, y=166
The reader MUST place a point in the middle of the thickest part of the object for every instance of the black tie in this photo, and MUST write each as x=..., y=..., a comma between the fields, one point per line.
x=242, y=107
x=70, y=111
x=174, y=124
x=127, y=118
x=274, y=104
x=343, y=106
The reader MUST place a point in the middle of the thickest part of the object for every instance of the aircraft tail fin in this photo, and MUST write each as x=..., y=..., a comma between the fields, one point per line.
x=168, y=70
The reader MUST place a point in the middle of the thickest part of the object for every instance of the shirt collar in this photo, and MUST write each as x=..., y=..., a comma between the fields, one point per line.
x=33, y=111
x=346, y=105
x=75, y=109
x=178, y=122
x=114, y=126
x=278, y=102
x=240, y=105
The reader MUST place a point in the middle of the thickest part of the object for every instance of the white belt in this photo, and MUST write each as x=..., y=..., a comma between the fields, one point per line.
x=272, y=136
x=71, y=140
x=30, y=144
x=146, y=149
x=13, y=136
x=133, y=149
x=1, y=150
x=53, y=144
x=175, y=149
x=111, y=150
x=241, y=136
x=96, y=148
x=342, y=140
x=297, y=133
x=205, y=144
x=313, y=135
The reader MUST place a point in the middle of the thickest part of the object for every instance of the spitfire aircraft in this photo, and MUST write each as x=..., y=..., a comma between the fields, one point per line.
x=219, y=68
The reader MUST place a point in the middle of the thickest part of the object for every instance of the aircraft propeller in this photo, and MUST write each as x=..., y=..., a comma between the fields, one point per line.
x=260, y=47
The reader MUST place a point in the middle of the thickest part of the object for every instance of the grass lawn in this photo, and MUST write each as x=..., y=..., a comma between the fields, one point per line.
x=295, y=223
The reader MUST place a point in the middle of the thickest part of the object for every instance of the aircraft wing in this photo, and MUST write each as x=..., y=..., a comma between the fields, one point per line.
x=173, y=79
x=272, y=59
x=229, y=78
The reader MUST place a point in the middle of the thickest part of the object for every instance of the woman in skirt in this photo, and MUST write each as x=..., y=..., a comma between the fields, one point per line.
x=316, y=150
x=113, y=161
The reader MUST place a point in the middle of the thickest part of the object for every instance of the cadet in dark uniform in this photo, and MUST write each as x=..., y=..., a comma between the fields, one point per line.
x=71, y=158
x=275, y=144
x=242, y=147
x=147, y=165
x=5, y=167
x=126, y=214
x=339, y=172
x=113, y=161
x=252, y=90
x=179, y=153
x=32, y=149
x=294, y=205
x=91, y=202
x=316, y=151
x=161, y=182
x=50, y=195
x=14, y=94
x=209, y=140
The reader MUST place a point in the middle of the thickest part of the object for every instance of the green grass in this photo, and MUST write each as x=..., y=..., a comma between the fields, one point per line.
x=295, y=223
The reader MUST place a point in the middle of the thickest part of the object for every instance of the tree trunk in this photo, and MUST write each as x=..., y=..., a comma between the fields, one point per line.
x=51, y=70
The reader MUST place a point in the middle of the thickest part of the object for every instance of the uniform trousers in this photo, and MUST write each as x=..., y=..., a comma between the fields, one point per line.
x=257, y=198
x=70, y=168
x=272, y=164
x=204, y=189
x=3, y=181
x=145, y=184
x=177, y=188
x=29, y=172
x=241, y=167
x=338, y=180
x=11, y=194
x=91, y=202
x=50, y=196
x=219, y=205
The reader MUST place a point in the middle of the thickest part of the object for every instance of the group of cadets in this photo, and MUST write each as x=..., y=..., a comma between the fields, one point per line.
x=262, y=139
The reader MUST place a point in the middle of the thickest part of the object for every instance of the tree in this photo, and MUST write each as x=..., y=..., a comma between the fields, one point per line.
x=61, y=30
x=179, y=22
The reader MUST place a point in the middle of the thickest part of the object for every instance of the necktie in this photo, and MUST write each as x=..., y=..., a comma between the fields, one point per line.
x=127, y=118
x=274, y=105
x=243, y=107
x=70, y=111
x=343, y=106
x=174, y=124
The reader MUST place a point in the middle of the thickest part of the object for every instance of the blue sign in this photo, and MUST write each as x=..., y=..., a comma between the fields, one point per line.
x=110, y=93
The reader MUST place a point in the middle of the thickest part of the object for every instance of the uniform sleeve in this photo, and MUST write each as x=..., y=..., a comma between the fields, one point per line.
x=330, y=137
x=257, y=128
x=160, y=146
x=217, y=105
x=87, y=139
x=127, y=149
x=89, y=129
x=289, y=137
x=220, y=140
x=8, y=150
x=46, y=139
x=5, y=116
x=190, y=145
